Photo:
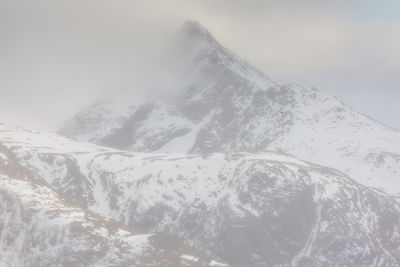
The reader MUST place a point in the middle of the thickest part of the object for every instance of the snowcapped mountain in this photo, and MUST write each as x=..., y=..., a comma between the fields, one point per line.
x=246, y=209
x=227, y=105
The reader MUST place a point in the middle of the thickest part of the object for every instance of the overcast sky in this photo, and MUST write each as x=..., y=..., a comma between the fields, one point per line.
x=57, y=56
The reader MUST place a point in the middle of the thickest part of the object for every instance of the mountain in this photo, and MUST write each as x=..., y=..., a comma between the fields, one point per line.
x=226, y=105
x=41, y=227
x=245, y=209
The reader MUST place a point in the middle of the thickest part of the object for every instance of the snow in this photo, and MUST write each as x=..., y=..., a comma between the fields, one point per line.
x=244, y=184
x=290, y=118
x=190, y=258
x=219, y=264
x=183, y=143
x=293, y=133
x=3, y=157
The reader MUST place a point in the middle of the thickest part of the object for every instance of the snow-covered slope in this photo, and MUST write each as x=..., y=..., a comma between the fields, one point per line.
x=226, y=105
x=41, y=227
x=245, y=209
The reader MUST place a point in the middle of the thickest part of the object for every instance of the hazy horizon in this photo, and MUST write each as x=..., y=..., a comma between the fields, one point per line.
x=58, y=57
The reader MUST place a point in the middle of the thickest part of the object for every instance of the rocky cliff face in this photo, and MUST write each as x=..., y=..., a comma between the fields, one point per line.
x=245, y=209
x=227, y=105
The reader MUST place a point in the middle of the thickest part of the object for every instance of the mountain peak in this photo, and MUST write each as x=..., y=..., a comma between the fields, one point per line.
x=193, y=28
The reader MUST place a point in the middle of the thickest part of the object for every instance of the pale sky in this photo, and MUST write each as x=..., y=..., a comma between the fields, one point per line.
x=57, y=56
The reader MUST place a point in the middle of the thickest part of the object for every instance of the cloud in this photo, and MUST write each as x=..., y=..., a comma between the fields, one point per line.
x=58, y=56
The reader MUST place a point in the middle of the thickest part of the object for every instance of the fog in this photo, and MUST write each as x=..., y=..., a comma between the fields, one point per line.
x=59, y=56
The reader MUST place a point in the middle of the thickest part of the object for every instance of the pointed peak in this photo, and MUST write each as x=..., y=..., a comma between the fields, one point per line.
x=194, y=26
x=194, y=29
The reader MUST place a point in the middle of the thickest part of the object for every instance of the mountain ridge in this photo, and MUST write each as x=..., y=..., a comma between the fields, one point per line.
x=44, y=226
x=227, y=105
x=225, y=205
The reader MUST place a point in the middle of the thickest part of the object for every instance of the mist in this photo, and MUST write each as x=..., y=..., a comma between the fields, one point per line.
x=59, y=56
x=199, y=133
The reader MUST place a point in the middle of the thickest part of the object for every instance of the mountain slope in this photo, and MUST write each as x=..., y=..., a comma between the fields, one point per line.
x=245, y=209
x=39, y=227
x=227, y=105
